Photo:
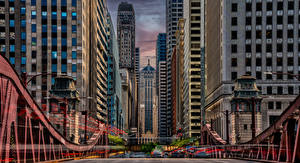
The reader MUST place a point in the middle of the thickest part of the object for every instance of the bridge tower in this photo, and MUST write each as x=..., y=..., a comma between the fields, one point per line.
x=245, y=115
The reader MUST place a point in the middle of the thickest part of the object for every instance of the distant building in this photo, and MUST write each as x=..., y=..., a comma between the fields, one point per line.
x=251, y=37
x=126, y=35
x=114, y=98
x=161, y=84
x=127, y=97
x=148, y=95
x=174, y=11
x=192, y=68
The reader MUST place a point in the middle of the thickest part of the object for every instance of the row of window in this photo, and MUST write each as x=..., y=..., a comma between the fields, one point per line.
x=258, y=75
x=259, y=6
x=54, y=2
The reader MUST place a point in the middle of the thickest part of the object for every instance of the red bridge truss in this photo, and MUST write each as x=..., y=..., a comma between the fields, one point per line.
x=26, y=134
x=280, y=142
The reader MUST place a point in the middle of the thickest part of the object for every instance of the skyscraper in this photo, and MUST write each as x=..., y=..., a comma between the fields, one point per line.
x=126, y=40
x=13, y=33
x=137, y=65
x=126, y=35
x=251, y=37
x=161, y=86
x=192, y=68
x=174, y=11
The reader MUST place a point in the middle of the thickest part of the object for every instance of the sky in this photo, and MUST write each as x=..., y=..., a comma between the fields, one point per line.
x=149, y=19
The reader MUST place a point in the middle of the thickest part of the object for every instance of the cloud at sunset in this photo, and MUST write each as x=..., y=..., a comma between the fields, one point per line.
x=150, y=20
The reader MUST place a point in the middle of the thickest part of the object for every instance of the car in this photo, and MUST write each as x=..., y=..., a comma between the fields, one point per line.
x=156, y=154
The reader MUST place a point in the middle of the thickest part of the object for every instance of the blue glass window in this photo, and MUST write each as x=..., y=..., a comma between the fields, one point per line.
x=44, y=2
x=63, y=55
x=23, y=60
x=54, y=67
x=44, y=14
x=74, y=54
x=11, y=48
x=23, y=48
x=64, y=28
x=33, y=14
x=74, y=42
x=63, y=15
x=54, y=28
x=74, y=68
x=63, y=2
x=54, y=55
x=23, y=23
x=23, y=35
x=53, y=2
x=54, y=15
x=33, y=41
x=33, y=2
x=44, y=28
x=74, y=15
x=52, y=80
x=12, y=60
x=54, y=41
x=63, y=68
x=44, y=41
x=11, y=23
x=74, y=28
x=64, y=42
x=33, y=28
x=23, y=10
x=74, y=3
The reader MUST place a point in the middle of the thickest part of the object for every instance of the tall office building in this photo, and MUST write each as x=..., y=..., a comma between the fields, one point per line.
x=13, y=33
x=161, y=86
x=126, y=35
x=251, y=37
x=192, y=68
x=114, y=96
x=126, y=40
x=137, y=65
x=60, y=39
x=174, y=11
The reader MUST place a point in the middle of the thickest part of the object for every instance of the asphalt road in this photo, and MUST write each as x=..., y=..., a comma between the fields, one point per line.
x=153, y=160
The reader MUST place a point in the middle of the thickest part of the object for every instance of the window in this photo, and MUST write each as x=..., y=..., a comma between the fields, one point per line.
x=74, y=15
x=272, y=119
x=290, y=90
x=74, y=42
x=44, y=2
x=74, y=55
x=290, y=76
x=233, y=75
x=279, y=48
x=248, y=62
x=64, y=29
x=248, y=49
x=258, y=34
x=258, y=48
x=270, y=105
x=269, y=48
x=234, y=48
x=269, y=6
x=12, y=60
x=258, y=6
x=234, y=21
x=74, y=68
x=258, y=20
x=54, y=41
x=245, y=126
x=64, y=68
x=269, y=90
x=258, y=75
x=44, y=41
x=54, y=55
x=234, y=7
x=54, y=28
x=290, y=48
x=74, y=28
x=234, y=62
x=234, y=35
x=54, y=67
x=23, y=10
x=11, y=23
x=248, y=20
x=278, y=105
x=64, y=15
x=269, y=20
x=33, y=2
x=280, y=6
x=64, y=42
x=290, y=19
x=53, y=2
x=291, y=5
x=23, y=23
x=74, y=3
x=33, y=14
x=248, y=7
x=11, y=48
x=279, y=76
x=44, y=14
x=290, y=33
x=23, y=60
x=63, y=2
x=23, y=35
x=54, y=15
x=64, y=55
x=269, y=77
x=33, y=28
x=258, y=61
x=279, y=19
x=23, y=48
x=269, y=34
x=279, y=90
x=269, y=61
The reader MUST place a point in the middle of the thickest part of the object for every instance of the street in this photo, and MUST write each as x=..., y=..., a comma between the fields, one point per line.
x=153, y=160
